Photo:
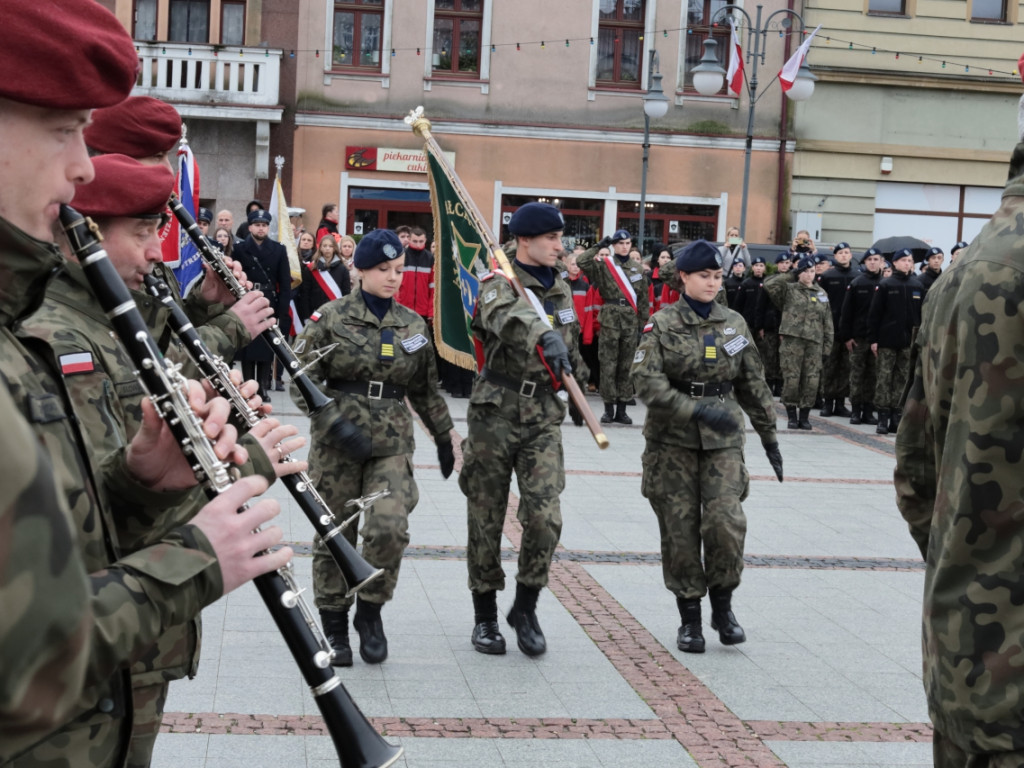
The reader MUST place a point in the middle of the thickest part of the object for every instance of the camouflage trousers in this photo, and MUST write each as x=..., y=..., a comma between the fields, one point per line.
x=495, y=446
x=836, y=375
x=615, y=350
x=696, y=497
x=862, y=373
x=946, y=754
x=800, y=361
x=768, y=348
x=892, y=370
x=385, y=526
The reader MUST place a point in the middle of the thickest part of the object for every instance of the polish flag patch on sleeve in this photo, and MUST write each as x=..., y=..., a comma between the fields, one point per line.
x=649, y=327
x=79, y=362
x=314, y=317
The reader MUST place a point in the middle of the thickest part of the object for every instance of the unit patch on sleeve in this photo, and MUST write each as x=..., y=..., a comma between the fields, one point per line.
x=78, y=362
x=566, y=316
x=490, y=296
x=649, y=327
x=735, y=346
x=640, y=355
x=413, y=343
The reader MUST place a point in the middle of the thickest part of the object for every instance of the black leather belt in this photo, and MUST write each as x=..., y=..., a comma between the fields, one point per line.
x=619, y=303
x=698, y=389
x=375, y=390
x=524, y=388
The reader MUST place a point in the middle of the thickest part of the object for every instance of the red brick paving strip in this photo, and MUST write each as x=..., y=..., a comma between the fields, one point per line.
x=770, y=730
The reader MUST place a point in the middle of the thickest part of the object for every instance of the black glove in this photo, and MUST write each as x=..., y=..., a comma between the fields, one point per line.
x=774, y=458
x=575, y=415
x=341, y=433
x=555, y=353
x=606, y=242
x=446, y=455
x=716, y=417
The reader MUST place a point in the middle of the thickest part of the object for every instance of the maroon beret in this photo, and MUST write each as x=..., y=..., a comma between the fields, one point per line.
x=65, y=54
x=140, y=126
x=124, y=187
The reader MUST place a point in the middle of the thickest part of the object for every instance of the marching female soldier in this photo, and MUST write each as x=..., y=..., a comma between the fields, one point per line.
x=384, y=354
x=697, y=370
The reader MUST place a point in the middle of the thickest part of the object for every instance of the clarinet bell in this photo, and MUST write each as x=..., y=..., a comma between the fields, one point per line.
x=357, y=743
x=357, y=572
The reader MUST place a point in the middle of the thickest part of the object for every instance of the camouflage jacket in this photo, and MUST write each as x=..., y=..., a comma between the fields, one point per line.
x=960, y=486
x=136, y=597
x=679, y=348
x=395, y=350
x=509, y=329
x=44, y=592
x=613, y=314
x=806, y=310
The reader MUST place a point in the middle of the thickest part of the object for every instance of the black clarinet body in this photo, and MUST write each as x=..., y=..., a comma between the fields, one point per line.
x=357, y=572
x=358, y=745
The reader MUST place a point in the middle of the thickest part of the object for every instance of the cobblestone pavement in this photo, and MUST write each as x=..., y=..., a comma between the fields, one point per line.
x=830, y=601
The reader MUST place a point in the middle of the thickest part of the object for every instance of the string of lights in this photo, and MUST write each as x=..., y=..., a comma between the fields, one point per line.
x=969, y=64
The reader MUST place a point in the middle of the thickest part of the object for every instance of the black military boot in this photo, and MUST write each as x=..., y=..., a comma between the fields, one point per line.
x=722, y=619
x=620, y=414
x=839, y=408
x=777, y=388
x=866, y=416
x=373, y=646
x=486, y=635
x=805, y=419
x=523, y=618
x=791, y=412
x=335, y=624
x=609, y=413
x=894, y=419
x=691, y=634
x=855, y=416
x=826, y=409
x=883, y=422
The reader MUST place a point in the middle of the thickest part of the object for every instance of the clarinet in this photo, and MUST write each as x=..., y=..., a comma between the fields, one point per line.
x=357, y=743
x=355, y=569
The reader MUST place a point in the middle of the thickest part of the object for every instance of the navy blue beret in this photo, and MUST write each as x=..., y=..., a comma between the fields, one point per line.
x=821, y=258
x=535, y=219
x=839, y=247
x=698, y=255
x=620, y=235
x=757, y=260
x=902, y=253
x=958, y=246
x=871, y=252
x=259, y=215
x=205, y=215
x=807, y=262
x=935, y=252
x=784, y=256
x=886, y=264
x=377, y=246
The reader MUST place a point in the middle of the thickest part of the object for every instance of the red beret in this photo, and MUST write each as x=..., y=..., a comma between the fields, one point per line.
x=65, y=54
x=140, y=126
x=124, y=187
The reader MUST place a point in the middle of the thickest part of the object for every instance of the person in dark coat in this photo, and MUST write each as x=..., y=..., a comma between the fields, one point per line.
x=324, y=278
x=243, y=228
x=836, y=373
x=266, y=264
x=932, y=269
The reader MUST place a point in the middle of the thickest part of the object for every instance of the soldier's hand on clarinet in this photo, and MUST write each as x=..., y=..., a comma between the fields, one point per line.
x=250, y=391
x=715, y=417
x=774, y=458
x=555, y=353
x=278, y=440
x=148, y=452
x=234, y=536
x=255, y=312
x=575, y=415
x=340, y=433
x=446, y=456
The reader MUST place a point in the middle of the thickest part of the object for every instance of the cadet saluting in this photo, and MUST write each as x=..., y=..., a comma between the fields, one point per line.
x=697, y=370
x=384, y=353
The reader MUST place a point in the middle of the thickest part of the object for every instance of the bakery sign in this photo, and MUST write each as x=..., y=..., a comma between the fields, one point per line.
x=389, y=159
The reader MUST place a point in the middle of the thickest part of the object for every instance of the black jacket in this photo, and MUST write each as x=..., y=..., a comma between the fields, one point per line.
x=928, y=277
x=267, y=268
x=732, y=286
x=746, y=299
x=835, y=282
x=767, y=316
x=310, y=296
x=895, y=311
x=853, y=322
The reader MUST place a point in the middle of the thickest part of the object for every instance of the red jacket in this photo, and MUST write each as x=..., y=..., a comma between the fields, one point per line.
x=417, y=291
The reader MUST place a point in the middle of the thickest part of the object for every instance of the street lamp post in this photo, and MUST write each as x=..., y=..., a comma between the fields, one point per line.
x=655, y=105
x=708, y=77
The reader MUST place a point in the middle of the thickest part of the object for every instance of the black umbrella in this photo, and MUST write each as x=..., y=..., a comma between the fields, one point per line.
x=889, y=245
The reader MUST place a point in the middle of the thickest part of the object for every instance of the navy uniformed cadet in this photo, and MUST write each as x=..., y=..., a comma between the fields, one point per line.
x=853, y=334
x=624, y=310
x=698, y=370
x=933, y=268
x=383, y=355
x=766, y=325
x=836, y=371
x=83, y=657
x=514, y=423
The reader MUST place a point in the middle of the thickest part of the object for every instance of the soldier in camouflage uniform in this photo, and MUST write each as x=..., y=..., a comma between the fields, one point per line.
x=514, y=420
x=893, y=318
x=135, y=598
x=698, y=371
x=959, y=487
x=624, y=310
x=126, y=200
x=766, y=327
x=853, y=333
x=836, y=376
x=806, y=331
x=384, y=354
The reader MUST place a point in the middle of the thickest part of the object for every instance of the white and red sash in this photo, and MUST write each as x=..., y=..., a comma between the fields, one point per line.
x=297, y=325
x=622, y=281
x=327, y=283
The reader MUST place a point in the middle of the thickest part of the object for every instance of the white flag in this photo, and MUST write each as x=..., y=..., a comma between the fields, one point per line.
x=735, y=76
x=789, y=70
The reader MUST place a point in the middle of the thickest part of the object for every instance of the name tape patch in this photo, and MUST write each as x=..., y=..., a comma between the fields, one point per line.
x=735, y=346
x=566, y=316
x=413, y=343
